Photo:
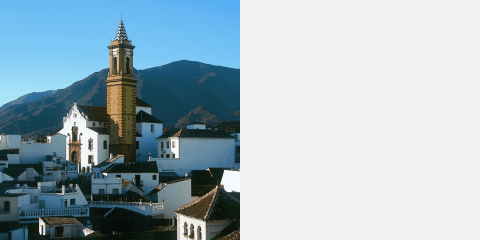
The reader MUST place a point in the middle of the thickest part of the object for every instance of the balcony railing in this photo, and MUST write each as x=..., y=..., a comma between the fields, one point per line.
x=35, y=213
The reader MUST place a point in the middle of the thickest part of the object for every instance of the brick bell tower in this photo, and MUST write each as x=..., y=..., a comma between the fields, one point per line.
x=121, y=96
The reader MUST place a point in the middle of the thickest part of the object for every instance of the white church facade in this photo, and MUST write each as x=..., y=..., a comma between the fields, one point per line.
x=88, y=136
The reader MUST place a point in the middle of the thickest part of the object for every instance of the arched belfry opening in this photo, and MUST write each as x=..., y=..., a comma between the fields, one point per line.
x=127, y=65
x=115, y=69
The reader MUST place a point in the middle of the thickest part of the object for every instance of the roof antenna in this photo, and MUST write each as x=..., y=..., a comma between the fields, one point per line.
x=120, y=15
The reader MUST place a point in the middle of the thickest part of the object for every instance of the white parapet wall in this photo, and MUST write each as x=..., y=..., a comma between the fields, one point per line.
x=33, y=153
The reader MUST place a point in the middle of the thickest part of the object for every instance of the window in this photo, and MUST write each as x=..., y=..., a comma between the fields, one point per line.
x=115, y=191
x=173, y=155
x=72, y=201
x=59, y=231
x=138, y=144
x=6, y=206
x=90, y=144
x=152, y=128
x=191, y=231
x=104, y=124
x=199, y=233
x=185, y=229
x=168, y=144
x=168, y=155
x=105, y=144
x=173, y=144
x=154, y=177
x=162, y=156
x=101, y=191
x=94, y=124
x=161, y=144
x=118, y=176
x=238, y=149
x=90, y=159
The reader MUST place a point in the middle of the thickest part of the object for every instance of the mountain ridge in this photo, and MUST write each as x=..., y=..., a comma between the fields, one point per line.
x=173, y=90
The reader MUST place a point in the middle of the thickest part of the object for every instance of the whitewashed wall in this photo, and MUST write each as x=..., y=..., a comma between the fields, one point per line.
x=202, y=153
x=36, y=152
x=56, y=200
x=181, y=219
x=5, y=177
x=107, y=184
x=145, y=109
x=21, y=233
x=148, y=183
x=10, y=141
x=148, y=141
x=173, y=141
x=74, y=118
x=175, y=195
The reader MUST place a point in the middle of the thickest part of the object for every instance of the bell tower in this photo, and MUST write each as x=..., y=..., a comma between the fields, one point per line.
x=121, y=96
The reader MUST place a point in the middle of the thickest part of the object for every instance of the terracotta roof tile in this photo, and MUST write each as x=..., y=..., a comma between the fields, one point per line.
x=217, y=205
x=125, y=182
x=60, y=220
x=95, y=113
x=230, y=232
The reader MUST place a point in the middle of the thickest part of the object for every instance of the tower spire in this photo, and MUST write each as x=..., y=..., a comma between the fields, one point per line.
x=121, y=33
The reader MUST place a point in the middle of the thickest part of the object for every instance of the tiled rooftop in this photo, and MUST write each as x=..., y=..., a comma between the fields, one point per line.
x=60, y=220
x=217, y=205
x=230, y=232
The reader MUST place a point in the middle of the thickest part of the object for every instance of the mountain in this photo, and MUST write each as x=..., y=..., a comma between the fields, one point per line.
x=198, y=114
x=179, y=92
x=29, y=98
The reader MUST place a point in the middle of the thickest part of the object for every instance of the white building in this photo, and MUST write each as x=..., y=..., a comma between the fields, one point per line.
x=143, y=174
x=212, y=216
x=237, y=149
x=182, y=150
x=148, y=128
x=60, y=227
x=9, y=205
x=231, y=180
x=106, y=185
x=173, y=194
x=88, y=134
x=19, y=152
x=47, y=200
x=13, y=230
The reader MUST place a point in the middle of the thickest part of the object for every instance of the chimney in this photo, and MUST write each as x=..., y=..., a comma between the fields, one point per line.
x=63, y=189
x=111, y=155
x=186, y=174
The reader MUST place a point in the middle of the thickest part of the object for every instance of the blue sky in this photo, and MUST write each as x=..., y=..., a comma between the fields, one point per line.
x=49, y=45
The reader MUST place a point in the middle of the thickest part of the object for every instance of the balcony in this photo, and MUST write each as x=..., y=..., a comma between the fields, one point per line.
x=36, y=213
